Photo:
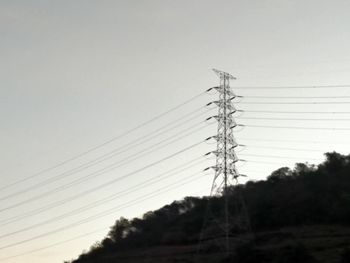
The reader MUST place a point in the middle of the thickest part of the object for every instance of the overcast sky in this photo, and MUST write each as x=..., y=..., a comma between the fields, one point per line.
x=74, y=74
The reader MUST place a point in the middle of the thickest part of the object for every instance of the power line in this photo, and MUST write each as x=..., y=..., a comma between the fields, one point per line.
x=174, y=171
x=103, y=185
x=294, y=97
x=254, y=171
x=105, y=157
x=294, y=127
x=295, y=102
x=62, y=242
x=112, y=166
x=295, y=87
x=84, y=208
x=298, y=141
x=264, y=162
x=104, y=143
x=55, y=244
x=291, y=119
x=297, y=112
x=104, y=213
x=282, y=148
x=280, y=157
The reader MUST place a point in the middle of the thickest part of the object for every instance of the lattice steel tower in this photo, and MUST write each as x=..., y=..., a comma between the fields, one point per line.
x=226, y=175
x=225, y=168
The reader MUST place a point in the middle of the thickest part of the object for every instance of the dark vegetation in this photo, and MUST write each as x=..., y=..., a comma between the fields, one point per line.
x=299, y=215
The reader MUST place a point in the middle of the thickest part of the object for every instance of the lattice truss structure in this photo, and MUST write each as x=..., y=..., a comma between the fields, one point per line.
x=226, y=219
x=225, y=169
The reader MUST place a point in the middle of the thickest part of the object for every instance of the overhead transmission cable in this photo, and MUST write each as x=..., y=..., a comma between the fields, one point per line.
x=107, y=156
x=64, y=241
x=294, y=102
x=294, y=87
x=92, y=205
x=60, y=188
x=150, y=181
x=282, y=148
x=297, y=141
x=264, y=162
x=280, y=157
x=294, y=97
x=55, y=244
x=75, y=157
x=295, y=112
x=294, y=127
x=120, y=163
x=290, y=119
x=106, y=212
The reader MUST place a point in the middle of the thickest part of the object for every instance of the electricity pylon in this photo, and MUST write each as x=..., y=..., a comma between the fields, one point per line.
x=227, y=217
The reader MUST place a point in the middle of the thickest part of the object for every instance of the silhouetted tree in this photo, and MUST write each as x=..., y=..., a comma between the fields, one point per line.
x=307, y=194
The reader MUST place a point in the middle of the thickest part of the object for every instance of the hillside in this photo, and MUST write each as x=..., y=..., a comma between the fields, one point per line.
x=299, y=215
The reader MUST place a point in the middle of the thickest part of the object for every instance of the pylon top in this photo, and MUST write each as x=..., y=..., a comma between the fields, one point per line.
x=223, y=74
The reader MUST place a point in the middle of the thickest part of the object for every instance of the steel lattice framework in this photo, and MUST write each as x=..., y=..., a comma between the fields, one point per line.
x=220, y=227
x=225, y=169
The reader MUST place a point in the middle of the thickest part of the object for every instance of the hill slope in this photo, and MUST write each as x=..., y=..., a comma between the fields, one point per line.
x=299, y=215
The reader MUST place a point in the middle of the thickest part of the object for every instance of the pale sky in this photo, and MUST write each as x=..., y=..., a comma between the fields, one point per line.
x=74, y=74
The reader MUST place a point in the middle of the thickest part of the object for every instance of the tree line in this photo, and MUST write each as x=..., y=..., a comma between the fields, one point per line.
x=305, y=195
